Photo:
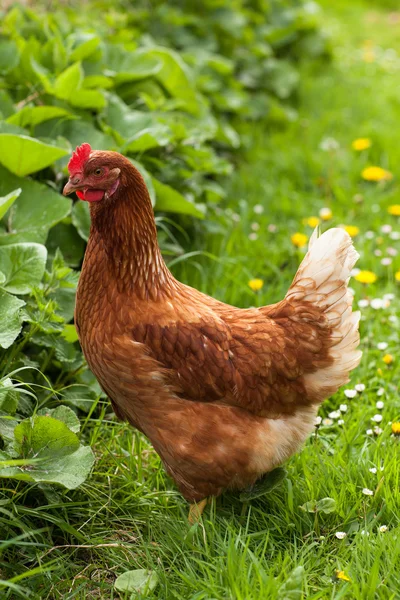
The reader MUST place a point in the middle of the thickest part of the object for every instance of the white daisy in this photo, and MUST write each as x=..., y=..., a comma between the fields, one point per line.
x=369, y=235
x=395, y=235
x=373, y=470
x=334, y=414
x=318, y=421
x=386, y=228
x=383, y=528
x=380, y=404
x=360, y=387
x=253, y=237
x=386, y=262
x=340, y=535
x=380, y=392
x=255, y=226
x=363, y=303
x=350, y=393
x=382, y=345
x=258, y=209
x=367, y=492
x=343, y=407
x=377, y=418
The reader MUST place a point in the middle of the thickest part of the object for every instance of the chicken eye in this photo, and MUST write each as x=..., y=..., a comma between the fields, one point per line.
x=98, y=171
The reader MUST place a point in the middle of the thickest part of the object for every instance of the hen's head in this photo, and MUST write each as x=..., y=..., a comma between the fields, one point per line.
x=96, y=175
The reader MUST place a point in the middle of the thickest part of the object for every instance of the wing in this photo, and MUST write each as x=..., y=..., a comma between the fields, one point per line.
x=242, y=358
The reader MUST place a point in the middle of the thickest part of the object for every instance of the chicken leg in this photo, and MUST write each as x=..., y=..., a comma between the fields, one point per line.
x=196, y=510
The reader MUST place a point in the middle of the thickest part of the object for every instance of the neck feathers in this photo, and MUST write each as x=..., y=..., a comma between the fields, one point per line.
x=124, y=227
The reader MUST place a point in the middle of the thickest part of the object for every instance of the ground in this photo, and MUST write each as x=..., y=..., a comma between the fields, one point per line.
x=128, y=515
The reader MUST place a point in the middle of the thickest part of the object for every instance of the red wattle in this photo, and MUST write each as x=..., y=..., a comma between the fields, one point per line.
x=90, y=195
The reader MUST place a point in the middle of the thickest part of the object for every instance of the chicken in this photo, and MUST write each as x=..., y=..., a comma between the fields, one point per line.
x=224, y=394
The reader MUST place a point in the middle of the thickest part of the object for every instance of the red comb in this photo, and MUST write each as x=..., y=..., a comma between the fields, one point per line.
x=78, y=158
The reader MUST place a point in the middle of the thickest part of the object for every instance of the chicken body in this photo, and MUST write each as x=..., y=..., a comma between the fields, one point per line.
x=224, y=394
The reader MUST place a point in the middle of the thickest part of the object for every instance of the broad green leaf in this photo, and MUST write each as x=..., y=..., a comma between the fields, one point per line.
x=7, y=201
x=129, y=66
x=265, y=485
x=70, y=334
x=80, y=396
x=78, y=131
x=139, y=581
x=64, y=414
x=151, y=137
x=126, y=122
x=81, y=219
x=70, y=470
x=325, y=505
x=88, y=99
x=86, y=44
x=10, y=318
x=292, y=589
x=30, y=116
x=65, y=237
x=9, y=55
x=6, y=104
x=36, y=210
x=23, y=155
x=169, y=200
x=175, y=76
x=23, y=266
x=8, y=397
x=68, y=83
x=42, y=437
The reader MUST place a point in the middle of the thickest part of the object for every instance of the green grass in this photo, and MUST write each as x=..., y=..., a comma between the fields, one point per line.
x=128, y=515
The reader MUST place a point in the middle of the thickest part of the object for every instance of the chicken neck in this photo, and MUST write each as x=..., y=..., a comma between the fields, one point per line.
x=124, y=230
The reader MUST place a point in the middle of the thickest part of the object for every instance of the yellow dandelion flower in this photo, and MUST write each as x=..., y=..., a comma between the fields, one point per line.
x=255, y=284
x=394, y=210
x=376, y=174
x=388, y=359
x=397, y=276
x=325, y=213
x=311, y=222
x=352, y=230
x=299, y=240
x=396, y=428
x=342, y=576
x=366, y=277
x=361, y=144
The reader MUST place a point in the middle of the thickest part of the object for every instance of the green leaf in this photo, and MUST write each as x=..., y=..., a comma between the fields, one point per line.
x=36, y=210
x=70, y=80
x=8, y=396
x=10, y=318
x=88, y=99
x=70, y=334
x=87, y=43
x=65, y=237
x=40, y=437
x=7, y=201
x=325, y=505
x=23, y=266
x=30, y=116
x=129, y=66
x=292, y=589
x=70, y=470
x=175, y=76
x=139, y=581
x=9, y=55
x=265, y=485
x=81, y=219
x=64, y=414
x=6, y=104
x=151, y=137
x=23, y=155
x=169, y=200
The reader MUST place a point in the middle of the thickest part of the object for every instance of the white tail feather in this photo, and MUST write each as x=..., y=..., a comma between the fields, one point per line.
x=322, y=279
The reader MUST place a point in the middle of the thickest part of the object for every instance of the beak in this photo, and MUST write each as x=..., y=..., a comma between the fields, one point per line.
x=72, y=185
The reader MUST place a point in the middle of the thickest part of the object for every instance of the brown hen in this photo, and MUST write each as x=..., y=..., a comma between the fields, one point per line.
x=224, y=394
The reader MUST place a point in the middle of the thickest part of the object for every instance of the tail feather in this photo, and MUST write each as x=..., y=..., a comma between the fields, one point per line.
x=323, y=279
